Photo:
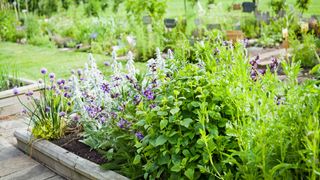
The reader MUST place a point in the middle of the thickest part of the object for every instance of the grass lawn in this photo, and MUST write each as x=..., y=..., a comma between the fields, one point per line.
x=28, y=60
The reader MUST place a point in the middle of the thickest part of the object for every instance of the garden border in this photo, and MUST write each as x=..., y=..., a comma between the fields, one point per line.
x=30, y=85
x=61, y=161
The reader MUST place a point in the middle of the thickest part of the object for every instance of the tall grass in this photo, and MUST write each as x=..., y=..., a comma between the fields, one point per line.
x=8, y=77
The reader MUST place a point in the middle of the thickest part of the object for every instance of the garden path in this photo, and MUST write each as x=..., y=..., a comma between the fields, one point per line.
x=14, y=164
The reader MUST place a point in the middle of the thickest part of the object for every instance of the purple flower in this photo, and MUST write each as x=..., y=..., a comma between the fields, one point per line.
x=115, y=95
x=15, y=91
x=69, y=103
x=253, y=74
x=123, y=124
x=93, y=35
x=24, y=111
x=152, y=106
x=102, y=119
x=79, y=71
x=262, y=71
x=149, y=94
x=61, y=82
x=75, y=117
x=47, y=109
x=274, y=64
x=136, y=99
x=139, y=135
x=29, y=93
x=105, y=87
x=113, y=115
x=51, y=75
x=62, y=114
x=106, y=63
x=43, y=71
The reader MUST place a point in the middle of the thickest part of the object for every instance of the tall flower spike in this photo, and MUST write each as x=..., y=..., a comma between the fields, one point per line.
x=170, y=54
x=159, y=61
x=130, y=65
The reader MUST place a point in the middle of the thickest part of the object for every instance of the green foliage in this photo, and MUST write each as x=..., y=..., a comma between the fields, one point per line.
x=303, y=5
x=250, y=27
x=278, y=5
x=305, y=50
x=154, y=8
x=8, y=77
x=8, y=23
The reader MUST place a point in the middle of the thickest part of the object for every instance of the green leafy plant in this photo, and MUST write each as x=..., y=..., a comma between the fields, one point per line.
x=305, y=50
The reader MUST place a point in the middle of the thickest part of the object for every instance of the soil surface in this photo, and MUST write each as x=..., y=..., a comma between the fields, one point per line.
x=71, y=143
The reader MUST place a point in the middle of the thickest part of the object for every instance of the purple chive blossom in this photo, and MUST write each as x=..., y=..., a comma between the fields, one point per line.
x=79, y=71
x=47, y=109
x=106, y=63
x=139, y=135
x=105, y=87
x=149, y=94
x=43, y=71
x=29, y=93
x=51, y=75
x=62, y=114
x=15, y=91
x=69, y=103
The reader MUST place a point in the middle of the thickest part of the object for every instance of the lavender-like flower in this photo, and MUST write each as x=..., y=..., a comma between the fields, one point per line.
x=139, y=135
x=15, y=91
x=149, y=94
x=123, y=124
x=105, y=87
x=43, y=71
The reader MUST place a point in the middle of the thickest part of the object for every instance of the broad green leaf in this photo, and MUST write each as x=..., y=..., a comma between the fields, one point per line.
x=189, y=173
x=162, y=113
x=176, y=168
x=163, y=123
x=186, y=122
x=137, y=159
x=174, y=110
x=161, y=140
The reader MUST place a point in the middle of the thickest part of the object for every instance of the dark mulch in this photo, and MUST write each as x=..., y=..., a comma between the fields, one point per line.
x=71, y=143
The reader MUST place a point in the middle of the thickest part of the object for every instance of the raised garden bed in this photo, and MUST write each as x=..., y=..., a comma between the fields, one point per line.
x=60, y=160
x=9, y=104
